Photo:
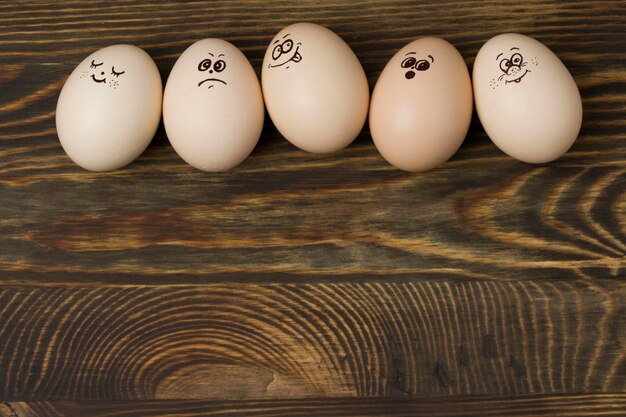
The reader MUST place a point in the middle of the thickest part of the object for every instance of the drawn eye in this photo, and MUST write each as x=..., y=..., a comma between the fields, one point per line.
x=408, y=62
x=94, y=65
x=277, y=52
x=117, y=74
x=422, y=65
x=219, y=66
x=505, y=64
x=287, y=45
x=517, y=59
x=204, y=65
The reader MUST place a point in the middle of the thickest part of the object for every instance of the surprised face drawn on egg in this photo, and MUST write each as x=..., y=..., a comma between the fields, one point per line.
x=213, y=68
x=284, y=54
x=412, y=64
x=514, y=68
x=100, y=76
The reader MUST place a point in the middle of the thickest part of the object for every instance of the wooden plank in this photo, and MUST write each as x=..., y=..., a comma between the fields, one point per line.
x=288, y=216
x=241, y=341
x=538, y=405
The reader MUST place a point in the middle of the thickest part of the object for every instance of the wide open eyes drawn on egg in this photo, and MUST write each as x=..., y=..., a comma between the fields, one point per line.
x=514, y=68
x=212, y=67
x=285, y=48
x=100, y=78
x=413, y=64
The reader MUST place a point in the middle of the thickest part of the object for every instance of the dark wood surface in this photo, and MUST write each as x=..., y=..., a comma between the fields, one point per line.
x=299, y=283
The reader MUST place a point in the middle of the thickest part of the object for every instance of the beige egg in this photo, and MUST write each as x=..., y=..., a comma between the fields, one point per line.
x=213, y=106
x=315, y=89
x=422, y=105
x=526, y=99
x=109, y=108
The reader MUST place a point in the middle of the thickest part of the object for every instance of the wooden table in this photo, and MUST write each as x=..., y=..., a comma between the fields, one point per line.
x=300, y=284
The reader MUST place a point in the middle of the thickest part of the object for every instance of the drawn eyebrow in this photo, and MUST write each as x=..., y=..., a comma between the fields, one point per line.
x=498, y=56
x=220, y=55
x=289, y=34
x=211, y=54
x=276, y=41
x=411, y=53
x=514, y=48
x=431, y=57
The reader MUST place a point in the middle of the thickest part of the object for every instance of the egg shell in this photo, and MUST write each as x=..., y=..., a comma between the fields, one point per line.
x=526, y=99
x=105, y=121
x=421, y=105
x=213, y=106
x=315, y=89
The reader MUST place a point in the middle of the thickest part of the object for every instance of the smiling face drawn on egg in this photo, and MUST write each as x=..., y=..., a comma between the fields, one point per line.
x=412, y=64
x=213, y=67
x=284, y=52
x=99, y=76
x=514, y=68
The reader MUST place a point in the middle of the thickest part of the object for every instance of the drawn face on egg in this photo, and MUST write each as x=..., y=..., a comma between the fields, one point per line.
x=100, y=74
x=285, y=52
x=412, y=64
x=513, y=67
x=212, y=66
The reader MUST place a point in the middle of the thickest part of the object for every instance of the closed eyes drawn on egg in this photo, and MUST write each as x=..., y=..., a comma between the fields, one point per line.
x=513, y=67
x=100, y=76
x=286, y=47
x=212, y=67
x=412, y=64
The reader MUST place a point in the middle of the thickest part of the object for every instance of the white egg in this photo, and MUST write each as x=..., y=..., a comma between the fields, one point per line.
x=526, y=99
x=315, y=89
x=109, y=108
x=213, y=108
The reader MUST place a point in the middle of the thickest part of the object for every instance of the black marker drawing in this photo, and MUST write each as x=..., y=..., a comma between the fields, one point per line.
x=413, y=64
x=284, y=48
x=513, y=68
x=210, y=66
x=112, y=83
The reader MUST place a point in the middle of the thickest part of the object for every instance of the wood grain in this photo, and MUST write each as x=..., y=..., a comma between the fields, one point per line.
x=234, y=341
x=306, y=284
x=521, y=406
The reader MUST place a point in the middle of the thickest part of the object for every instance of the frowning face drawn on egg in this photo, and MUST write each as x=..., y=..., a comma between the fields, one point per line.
x=412, y=64
x=513, y=67
x=284, y=52
x=98, y=74
x=214, y=65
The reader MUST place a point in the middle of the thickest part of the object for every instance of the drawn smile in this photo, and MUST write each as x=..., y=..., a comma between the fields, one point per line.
x=211, y=79
x=295, y=58
x=517, y=80
x=93, y=77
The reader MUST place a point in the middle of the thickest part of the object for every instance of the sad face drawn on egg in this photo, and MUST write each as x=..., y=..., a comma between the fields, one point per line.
x=514, y=68
x=212, y=67
x=101, y=76
x=413, y=64
x=285, y=50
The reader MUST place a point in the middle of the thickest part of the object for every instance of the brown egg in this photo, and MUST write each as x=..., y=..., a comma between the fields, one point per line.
x=421, y=106
x=315, y=89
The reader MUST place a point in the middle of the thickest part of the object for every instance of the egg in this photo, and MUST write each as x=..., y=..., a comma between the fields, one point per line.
x=421, y=105
x=315, y=89
x=109, y=108
x=213, y=106
x=526, y=99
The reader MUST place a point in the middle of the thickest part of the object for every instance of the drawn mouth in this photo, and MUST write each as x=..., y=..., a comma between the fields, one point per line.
x=409, y=75
x=517, y=80
x=93, y=77
x=295, y=58
x=211, y=79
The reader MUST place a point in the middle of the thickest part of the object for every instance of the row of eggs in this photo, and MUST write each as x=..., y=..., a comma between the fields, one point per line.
x=317, y=96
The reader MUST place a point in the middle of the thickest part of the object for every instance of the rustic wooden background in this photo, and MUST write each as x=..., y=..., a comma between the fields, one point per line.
x=311, y=285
